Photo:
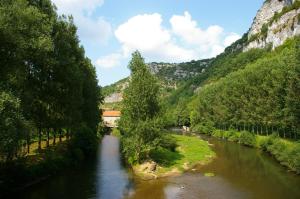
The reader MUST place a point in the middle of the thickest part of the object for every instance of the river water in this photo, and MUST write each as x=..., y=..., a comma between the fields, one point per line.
x=241, y=172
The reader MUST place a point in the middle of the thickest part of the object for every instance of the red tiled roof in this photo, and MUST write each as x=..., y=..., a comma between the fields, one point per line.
x=111, y=114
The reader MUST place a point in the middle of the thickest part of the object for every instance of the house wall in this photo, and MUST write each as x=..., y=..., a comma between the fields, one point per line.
x=110, y=121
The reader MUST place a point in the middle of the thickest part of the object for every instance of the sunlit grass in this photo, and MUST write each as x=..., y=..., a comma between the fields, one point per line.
x=190, y=152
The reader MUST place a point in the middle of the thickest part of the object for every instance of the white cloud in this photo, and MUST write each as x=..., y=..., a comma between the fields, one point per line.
x=208, y=43
x=90, y=29
x=109, y=61
x=232, y=37
x=146, y=34
x=184, y=41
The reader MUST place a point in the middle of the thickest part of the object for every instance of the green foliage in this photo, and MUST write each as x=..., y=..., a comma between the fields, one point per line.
x=84, y=140
x=12, y=126
x=217, y=133
x=263, y=94
x=114, y=88
x=44, y=67
x=234, y=137
x=190, y=151
x=168, y=142
x=116, y=132
x=264, y=30
x=204, y=128
x=248, y=139
x=140, y=125
x=286, y=9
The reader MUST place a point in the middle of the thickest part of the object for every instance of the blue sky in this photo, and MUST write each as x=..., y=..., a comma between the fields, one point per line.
x=162, y=30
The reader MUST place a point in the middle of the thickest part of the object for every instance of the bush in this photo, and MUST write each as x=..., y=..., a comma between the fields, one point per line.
x=294, y=158
x=204, y=129
x=228, y=134
x=235, y=137
x=263, y=142
x=140, y=139
x=85, y=140
x=247, y=138
x=218, y=133
x=168, y=142
x=116, y=132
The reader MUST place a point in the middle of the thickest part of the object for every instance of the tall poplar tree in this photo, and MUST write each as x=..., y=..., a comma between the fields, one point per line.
x=139, y=124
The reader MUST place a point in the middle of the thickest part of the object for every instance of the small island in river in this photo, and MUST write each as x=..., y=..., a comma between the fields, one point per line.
x=190, y=151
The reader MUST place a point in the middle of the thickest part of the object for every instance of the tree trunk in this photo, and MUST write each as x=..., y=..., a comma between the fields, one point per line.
x=68, y=134
x=40, y=139
x=60, y=135
x=48, y=137
x=28, y=143
x=54, y=136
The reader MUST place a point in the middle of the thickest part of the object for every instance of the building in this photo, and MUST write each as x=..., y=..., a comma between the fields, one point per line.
x=110, y=118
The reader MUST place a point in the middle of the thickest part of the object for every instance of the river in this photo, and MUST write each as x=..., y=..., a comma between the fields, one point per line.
x=241, y=172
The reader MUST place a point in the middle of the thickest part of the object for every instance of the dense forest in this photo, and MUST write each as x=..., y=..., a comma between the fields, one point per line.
x=48, y=87
x=262, y=97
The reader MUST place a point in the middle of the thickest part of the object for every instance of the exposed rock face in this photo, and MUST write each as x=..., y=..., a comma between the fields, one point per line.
x=278, y=31
x=266, y=12
x=157, y=67
x=178, y=71
x=113, y=98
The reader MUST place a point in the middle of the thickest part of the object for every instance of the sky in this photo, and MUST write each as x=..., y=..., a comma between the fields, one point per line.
x=162, y=30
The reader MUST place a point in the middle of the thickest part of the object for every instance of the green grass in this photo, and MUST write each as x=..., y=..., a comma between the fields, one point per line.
x=190, y=151
x=116, y=132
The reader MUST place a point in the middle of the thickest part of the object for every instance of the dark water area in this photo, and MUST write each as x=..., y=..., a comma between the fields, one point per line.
x=241, y=172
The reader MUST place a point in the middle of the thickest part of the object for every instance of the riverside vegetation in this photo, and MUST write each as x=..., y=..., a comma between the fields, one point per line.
x=255, y=91
x=48, y=90
x=142, y=133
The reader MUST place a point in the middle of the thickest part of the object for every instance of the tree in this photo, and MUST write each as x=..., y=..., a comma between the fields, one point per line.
x=140, y=124
x=45, y=69
x=12, y=126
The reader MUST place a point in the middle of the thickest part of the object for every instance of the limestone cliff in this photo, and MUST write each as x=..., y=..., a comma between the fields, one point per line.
x=276, y=21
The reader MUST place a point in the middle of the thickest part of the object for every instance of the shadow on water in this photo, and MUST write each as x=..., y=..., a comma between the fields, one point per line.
x=104, y=177
x=241, y=172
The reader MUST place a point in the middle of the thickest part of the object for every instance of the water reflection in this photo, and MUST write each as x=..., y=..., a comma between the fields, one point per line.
x=112, y=178
x=241, y=172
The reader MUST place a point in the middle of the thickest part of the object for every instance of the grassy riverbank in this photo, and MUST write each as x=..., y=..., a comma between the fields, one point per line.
x=190, y=151
x=285, y=151
x=30, y=169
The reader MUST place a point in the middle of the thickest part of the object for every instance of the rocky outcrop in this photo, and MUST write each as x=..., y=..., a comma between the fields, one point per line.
x=179, y=71
x=268, y=30
x=265, y=13
x=113, y=98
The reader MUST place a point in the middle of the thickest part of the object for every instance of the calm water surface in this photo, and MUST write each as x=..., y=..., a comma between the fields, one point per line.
x=241, y=172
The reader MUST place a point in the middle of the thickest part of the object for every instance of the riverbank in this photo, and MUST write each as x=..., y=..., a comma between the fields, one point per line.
x=190, y=151
x=286, y=152
x=28, y=170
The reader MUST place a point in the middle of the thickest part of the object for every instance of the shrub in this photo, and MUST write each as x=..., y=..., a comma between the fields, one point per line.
x=235, y=137
x=294, y=158
x=247, y=138
x=140, y=139
x=116, y=132
x=228, y=134
x=85, y=140
x=218, y=133
x=263, y=142
x=204, y=128
x=168, y=142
